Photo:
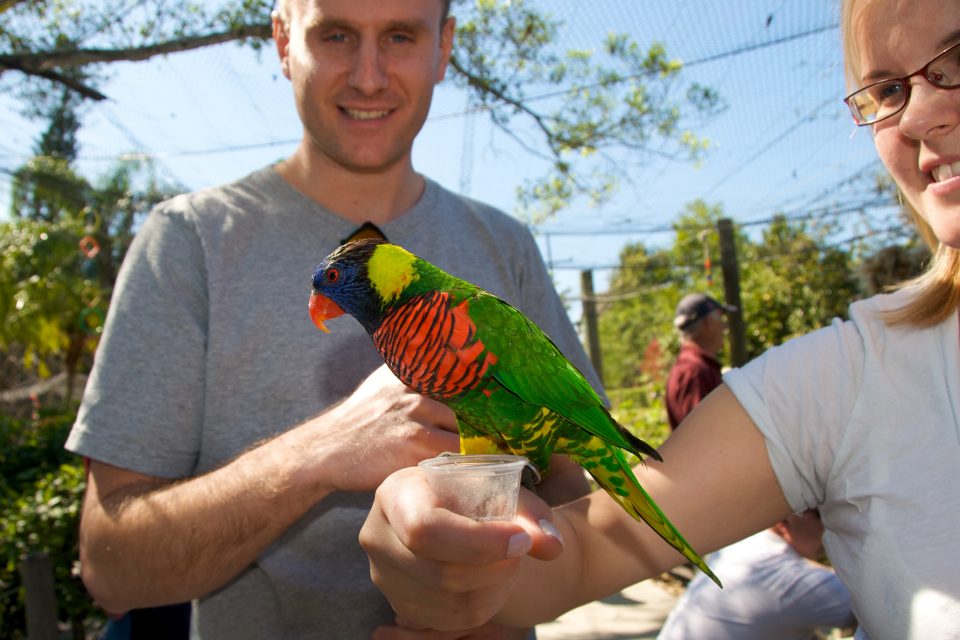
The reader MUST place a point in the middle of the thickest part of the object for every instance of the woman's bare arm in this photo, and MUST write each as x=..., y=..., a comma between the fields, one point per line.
x=440, y=570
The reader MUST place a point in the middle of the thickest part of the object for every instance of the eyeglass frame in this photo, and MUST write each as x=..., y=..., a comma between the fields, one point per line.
x=907, y=86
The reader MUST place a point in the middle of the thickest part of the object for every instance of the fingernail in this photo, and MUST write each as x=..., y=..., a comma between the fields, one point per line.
x=519, y=544
x=551, y=530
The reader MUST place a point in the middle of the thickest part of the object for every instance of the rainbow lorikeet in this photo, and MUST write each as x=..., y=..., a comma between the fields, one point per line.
x=509, y=386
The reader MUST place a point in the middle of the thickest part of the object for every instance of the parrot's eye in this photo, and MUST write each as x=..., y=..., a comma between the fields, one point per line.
x=331, y=275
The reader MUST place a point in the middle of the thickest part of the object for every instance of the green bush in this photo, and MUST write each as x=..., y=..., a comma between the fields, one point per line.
x=42, y=488
x=641, y=410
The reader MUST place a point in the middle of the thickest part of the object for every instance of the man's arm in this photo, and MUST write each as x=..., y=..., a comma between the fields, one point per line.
x=147, y=541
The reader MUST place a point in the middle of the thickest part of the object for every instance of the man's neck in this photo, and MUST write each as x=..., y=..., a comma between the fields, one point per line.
x=692, y=342
x=359, y=197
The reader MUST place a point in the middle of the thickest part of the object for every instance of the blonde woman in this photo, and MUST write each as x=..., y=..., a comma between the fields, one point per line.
x=860, y=419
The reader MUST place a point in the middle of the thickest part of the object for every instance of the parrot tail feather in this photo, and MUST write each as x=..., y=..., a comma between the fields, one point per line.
x=624, y=487
x=639, y=446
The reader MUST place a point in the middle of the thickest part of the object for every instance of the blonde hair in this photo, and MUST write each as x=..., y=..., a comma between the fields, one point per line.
x=938, y=287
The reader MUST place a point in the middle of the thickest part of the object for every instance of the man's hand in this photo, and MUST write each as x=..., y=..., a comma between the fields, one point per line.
x=381, y=427
x=147, y=541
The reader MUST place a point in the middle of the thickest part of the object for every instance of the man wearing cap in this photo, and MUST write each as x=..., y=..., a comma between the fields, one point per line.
x=702, y=324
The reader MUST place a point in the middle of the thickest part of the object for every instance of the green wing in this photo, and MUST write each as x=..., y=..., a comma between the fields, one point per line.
x=531, y=366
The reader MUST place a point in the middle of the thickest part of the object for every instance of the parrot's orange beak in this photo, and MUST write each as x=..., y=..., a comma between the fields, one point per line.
x=323, y=308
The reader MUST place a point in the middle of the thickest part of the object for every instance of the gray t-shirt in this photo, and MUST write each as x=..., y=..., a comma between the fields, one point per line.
x=209, y=348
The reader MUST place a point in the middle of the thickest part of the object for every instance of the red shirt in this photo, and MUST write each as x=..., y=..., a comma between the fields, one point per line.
x=695, y=374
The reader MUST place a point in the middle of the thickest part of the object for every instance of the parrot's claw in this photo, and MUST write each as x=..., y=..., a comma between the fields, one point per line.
x=530, y=477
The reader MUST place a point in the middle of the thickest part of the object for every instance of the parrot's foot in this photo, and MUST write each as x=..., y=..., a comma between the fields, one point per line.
x=530, y=477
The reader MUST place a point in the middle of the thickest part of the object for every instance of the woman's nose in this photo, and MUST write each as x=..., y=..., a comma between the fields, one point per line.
x=929, y=111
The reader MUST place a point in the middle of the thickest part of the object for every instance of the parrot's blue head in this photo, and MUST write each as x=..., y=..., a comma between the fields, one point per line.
x=341, y=284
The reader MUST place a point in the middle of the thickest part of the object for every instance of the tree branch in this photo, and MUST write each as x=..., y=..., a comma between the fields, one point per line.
x=9, y=4
x=40, y=61
x=486, y=88
x=71, y=83
x=42, y=64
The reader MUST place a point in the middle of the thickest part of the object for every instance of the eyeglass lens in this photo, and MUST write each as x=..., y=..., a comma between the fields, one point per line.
x=887, y=97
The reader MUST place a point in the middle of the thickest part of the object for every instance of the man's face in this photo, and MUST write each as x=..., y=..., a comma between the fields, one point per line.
x=363, y=73
x=806, y=533
x=714, y=330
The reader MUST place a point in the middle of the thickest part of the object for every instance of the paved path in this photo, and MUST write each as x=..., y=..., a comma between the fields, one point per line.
x=636, y=612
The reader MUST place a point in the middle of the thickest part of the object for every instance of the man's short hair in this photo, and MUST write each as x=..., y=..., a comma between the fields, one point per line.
x=282, y=9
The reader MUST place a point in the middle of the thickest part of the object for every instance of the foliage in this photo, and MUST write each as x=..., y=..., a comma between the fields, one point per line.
x=792, y=282
x=44, y=293
x=61, y=252
x=41, y=490
x=60, y=43
x=637, y=317
x=893, y=264
x=618, y=96
x=582, y=111
x=641, y=409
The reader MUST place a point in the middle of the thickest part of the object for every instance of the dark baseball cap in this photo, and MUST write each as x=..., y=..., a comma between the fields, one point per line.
x=694, y=306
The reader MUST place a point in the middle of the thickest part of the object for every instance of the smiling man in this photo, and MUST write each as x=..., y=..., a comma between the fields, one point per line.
x=363, y=76
x=234, y=450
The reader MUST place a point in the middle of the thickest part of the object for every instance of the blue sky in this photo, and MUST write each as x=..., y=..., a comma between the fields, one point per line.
x=785, y=142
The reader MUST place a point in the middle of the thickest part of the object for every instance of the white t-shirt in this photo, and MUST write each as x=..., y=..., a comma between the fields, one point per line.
x=861, y=420
x=769, y=592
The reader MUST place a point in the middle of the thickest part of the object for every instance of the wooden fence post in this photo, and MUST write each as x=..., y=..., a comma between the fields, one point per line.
x=731, y=287
x=591, y=327
x=41, y=598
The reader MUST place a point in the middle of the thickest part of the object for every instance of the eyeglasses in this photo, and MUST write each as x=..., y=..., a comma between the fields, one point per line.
x=886, y=98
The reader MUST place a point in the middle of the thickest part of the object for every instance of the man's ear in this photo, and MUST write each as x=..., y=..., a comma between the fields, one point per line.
x=447, y=32
x=281, y=39
x=782, y=530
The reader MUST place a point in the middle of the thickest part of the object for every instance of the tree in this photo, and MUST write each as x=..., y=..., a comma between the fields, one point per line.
x=793, y=282
x=61, y=251
x=59, y=256
x=634, y=314
x=637, y=317
x=576, y=110
x=40, y=495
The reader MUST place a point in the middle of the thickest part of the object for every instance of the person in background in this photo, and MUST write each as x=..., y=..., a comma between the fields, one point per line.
x=234, y=448
x=773, y=587
x=858, y=419
x=702, y=324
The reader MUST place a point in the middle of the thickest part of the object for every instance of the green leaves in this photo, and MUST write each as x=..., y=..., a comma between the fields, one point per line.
x=580, y=110
x=40, y=496
x=587, y=113
x=43, y=290
x=794, y=279
x=61, y=252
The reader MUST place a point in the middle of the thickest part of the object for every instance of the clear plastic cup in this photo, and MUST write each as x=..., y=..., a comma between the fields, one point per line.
x=482, y=487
